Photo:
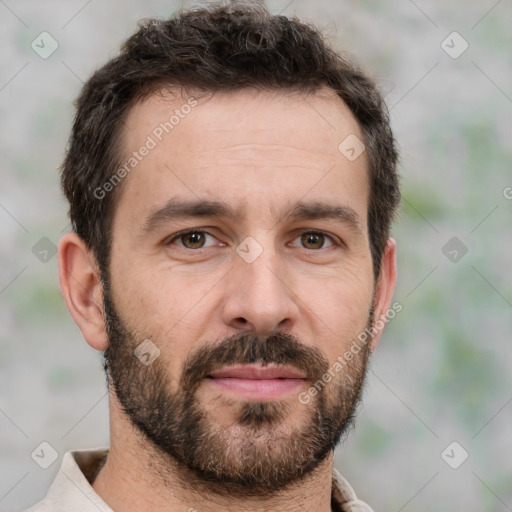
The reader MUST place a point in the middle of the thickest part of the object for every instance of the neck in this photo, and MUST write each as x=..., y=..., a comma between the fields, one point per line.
x=136, y=477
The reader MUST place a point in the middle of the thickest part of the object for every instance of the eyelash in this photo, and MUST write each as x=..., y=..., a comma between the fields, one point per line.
x=309, y=231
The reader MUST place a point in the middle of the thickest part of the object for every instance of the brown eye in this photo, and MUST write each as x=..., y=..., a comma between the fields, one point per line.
x=193, y=239
x=312, y=240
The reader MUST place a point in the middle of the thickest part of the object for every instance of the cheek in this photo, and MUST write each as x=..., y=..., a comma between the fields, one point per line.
x=339, y=310
x=159, y=298
x=165, y=307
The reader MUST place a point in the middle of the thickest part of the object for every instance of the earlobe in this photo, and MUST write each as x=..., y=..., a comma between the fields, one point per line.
x=384, y=289
x=82, y=289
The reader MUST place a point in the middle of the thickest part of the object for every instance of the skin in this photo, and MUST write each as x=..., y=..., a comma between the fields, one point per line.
x=260, y=152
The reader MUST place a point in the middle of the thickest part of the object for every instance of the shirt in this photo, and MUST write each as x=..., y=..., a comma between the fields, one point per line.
x=71, y=491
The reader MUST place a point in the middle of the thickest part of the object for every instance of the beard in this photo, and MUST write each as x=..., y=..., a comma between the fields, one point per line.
x=258, y=453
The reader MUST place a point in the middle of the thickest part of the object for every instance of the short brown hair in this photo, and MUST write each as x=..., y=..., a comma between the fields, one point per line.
x=210, y=48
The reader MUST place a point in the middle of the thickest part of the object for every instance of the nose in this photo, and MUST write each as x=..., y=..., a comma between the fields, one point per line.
x=259, y=297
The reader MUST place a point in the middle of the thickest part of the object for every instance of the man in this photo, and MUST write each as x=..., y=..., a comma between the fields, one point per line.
x=232, y=181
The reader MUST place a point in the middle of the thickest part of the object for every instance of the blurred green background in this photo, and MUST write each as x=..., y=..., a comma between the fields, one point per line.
x=442, y=372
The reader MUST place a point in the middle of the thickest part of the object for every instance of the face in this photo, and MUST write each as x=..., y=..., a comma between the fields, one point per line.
x=240, y=250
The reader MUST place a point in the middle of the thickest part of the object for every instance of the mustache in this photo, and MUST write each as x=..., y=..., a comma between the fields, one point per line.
x=247, y=348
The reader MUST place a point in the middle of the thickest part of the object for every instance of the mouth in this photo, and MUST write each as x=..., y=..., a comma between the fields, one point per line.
x=256, y=382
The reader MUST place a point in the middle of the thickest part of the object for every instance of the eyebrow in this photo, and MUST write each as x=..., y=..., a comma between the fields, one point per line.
x=180, y=209
x=319, y=210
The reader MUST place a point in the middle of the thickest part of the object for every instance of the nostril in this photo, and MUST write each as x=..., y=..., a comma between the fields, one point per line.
x=242, y=320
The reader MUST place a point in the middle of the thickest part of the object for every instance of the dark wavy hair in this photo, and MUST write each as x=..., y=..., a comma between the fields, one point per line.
x=217, y=47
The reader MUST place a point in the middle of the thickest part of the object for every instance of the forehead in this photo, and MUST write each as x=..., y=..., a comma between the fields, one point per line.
x=274, y=116
x=244, y=147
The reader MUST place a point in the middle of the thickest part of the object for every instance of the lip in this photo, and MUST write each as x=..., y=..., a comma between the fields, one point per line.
x=257, y=372
x=256, y=382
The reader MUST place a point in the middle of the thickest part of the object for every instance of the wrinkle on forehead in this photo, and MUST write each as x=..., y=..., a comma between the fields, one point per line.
x=247, y=145
x=247, y=113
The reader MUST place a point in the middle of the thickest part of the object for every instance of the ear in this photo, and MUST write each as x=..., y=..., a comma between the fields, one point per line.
x=82, y=289
x=384, y=290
